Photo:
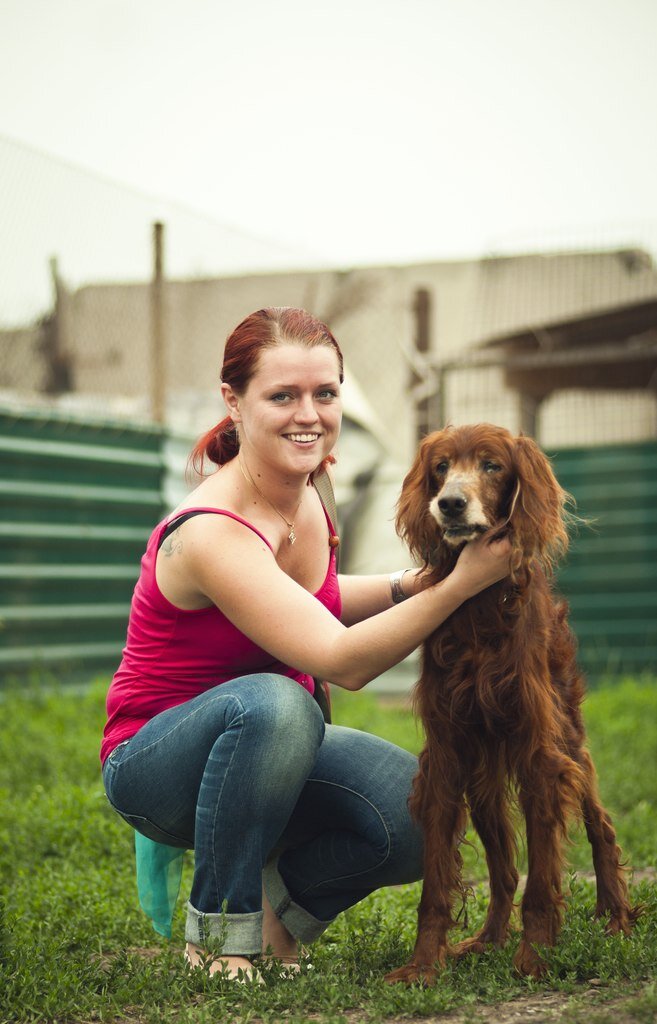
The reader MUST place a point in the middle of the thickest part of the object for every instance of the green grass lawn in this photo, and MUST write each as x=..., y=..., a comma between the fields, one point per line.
x=74, y=946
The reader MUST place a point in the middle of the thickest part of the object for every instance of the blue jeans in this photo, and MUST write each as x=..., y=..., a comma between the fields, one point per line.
x=248, y=775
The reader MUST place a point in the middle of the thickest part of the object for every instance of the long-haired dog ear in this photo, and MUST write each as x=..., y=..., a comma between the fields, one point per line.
x=538, y=518
x=414, y=524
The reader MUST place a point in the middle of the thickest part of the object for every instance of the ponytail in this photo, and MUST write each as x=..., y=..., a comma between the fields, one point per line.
x=219, y=445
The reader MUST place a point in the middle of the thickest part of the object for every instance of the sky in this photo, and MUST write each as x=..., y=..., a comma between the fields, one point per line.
x=336, y=132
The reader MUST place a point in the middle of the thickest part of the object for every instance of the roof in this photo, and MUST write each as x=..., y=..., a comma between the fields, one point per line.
x=518, y=294
x=615, y=348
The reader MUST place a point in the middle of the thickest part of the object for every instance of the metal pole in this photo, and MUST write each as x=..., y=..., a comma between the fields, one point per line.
x=158, y=350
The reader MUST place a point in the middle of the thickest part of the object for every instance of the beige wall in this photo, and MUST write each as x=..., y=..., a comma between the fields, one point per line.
x=21, y=360
x=371, y=312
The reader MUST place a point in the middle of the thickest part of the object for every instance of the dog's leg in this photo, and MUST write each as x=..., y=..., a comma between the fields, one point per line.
x=490, y=817
x=551, y=792
x=443, y=818
x=612, y=893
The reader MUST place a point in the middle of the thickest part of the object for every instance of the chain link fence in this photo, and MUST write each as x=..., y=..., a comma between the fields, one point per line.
x=94, y=318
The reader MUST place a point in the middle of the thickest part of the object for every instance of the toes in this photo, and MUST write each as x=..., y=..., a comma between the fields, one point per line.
x=239, y=969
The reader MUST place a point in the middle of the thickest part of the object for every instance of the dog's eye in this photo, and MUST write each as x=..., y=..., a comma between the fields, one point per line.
x=491, y=467
x=442, y=466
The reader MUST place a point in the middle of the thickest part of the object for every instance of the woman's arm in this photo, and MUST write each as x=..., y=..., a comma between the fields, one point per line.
x=363, y=596
x=238, y=572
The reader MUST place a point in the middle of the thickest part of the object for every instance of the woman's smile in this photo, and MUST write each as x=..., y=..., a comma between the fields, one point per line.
x=302, y=438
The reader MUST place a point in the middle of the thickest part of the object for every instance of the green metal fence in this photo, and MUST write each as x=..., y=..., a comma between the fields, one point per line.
x=77, y=502
x=610, y=578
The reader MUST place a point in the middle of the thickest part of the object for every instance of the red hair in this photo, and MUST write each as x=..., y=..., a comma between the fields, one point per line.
x=267, y=328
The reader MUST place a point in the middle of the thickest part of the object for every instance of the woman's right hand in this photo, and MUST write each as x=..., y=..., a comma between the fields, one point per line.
x=481, y=563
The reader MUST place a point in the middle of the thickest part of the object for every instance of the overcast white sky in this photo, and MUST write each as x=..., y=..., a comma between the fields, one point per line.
x=358, y=130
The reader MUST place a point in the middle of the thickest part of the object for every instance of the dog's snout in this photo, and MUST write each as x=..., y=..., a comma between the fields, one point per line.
x=452, y=505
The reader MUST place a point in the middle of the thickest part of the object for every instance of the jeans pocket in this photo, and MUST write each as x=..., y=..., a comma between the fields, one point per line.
x=151, y=831
x=136, y=821
x=117, y=753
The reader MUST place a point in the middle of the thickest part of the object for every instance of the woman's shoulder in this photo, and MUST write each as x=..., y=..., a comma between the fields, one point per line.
x=211, y=519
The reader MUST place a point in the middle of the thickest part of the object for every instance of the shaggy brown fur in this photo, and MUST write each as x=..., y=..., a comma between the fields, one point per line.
x=499, y=698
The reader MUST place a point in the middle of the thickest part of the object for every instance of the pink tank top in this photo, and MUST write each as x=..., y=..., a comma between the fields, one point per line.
x=172, y=655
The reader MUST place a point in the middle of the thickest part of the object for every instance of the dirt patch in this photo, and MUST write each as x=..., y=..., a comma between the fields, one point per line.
x=586, y=1007
x=548, y=1008
x=106, y=960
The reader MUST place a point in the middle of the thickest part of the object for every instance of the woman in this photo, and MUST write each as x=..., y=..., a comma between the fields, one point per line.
x=213, y=739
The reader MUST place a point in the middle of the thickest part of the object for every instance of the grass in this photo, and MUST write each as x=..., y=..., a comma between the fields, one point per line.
x=74, y=946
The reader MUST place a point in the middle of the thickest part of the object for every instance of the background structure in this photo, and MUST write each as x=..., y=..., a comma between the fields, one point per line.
x=104, y=394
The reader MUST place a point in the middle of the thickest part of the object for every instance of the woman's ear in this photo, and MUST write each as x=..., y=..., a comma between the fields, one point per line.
x=232, y=402
x=538, y=519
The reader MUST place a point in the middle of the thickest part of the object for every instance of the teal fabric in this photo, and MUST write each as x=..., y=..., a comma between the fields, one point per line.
x=159, y=871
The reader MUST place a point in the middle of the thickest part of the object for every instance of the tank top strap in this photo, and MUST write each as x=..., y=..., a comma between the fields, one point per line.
x=178, y=518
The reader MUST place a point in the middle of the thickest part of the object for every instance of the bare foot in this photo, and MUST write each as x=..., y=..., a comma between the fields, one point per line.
x=276, y=940
x=237, y=968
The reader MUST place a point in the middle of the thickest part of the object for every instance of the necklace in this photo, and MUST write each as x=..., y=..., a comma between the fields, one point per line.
x=249, y=479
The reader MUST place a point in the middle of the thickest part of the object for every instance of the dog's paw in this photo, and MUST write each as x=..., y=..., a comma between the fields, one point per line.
x=528, y=962
x=622, y=922
x=473, y=945
x=413, y=974
x=482, y=942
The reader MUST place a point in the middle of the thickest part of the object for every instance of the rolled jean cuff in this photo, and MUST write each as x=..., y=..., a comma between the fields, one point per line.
x=300, y=924
x=235, y=934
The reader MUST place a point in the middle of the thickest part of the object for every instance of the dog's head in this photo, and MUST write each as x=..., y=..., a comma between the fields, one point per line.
x=466, y=480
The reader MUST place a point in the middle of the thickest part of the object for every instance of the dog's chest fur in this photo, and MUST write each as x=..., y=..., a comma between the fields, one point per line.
x=478, y=662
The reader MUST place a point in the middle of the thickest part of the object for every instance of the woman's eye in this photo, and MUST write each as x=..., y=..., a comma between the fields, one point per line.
x=327, y=395
x=280, y=396
x=491, y=467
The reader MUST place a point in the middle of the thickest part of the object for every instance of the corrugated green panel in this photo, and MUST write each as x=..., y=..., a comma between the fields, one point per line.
x=62, y=661
x=77, y=502
x=631, y=459
x=610, y=577
x=46, y=543
x=32, y=501
x=52, y=461
x=56, y=584
x=62, y=426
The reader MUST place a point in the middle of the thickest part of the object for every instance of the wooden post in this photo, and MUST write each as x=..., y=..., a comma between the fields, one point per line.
x=423, y=406
x=55, y=332
x=158, y=346
x=529, y=408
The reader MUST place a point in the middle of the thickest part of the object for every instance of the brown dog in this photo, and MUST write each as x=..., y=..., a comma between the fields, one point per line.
x=499, y=698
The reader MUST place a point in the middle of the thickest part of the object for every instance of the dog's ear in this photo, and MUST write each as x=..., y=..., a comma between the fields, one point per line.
x=538, y=518
x=416, y=527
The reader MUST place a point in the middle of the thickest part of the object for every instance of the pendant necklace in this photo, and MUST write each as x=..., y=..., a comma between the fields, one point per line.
x=249, y=479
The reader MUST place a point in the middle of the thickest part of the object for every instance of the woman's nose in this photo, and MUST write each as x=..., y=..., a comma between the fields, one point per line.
x=305, y=411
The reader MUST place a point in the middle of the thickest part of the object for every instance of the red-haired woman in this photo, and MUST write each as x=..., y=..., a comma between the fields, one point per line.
x=214, y=741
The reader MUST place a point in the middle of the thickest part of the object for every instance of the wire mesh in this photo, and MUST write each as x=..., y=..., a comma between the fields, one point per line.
x=76, y=316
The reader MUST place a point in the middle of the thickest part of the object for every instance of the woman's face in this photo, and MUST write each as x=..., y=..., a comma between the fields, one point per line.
x=291, y=410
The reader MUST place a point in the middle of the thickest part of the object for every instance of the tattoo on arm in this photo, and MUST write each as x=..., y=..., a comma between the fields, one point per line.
x=172, y=545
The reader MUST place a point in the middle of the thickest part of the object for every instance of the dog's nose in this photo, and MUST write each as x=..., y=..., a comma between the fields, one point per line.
x=452, y=506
